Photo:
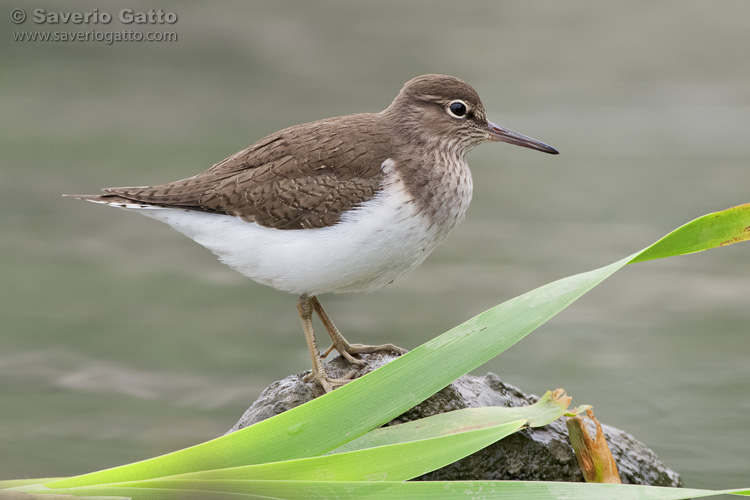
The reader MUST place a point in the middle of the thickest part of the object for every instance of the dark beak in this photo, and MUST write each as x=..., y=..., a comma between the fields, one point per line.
x=501, y=134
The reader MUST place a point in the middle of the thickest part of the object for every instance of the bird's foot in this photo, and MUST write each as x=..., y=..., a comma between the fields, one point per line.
x=348, y=351
x=329, y=384
x=340, y=344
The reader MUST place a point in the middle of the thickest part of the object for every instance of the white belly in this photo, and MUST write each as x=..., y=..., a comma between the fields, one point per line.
x=369, y=248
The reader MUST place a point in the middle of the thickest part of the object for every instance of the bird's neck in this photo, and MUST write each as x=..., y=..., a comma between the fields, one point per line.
x=439, y=181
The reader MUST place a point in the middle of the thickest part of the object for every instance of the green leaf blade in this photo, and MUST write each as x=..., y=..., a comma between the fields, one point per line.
x=393, y=462
x=416, y=490
x=551, y=406
x=329, y=422
x=713, y=230
x=334, y=419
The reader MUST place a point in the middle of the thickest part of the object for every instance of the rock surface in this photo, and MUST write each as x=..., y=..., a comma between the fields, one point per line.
x=535, y=454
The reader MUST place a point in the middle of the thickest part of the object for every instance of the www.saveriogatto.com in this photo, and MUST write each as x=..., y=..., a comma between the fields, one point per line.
x=95, y=25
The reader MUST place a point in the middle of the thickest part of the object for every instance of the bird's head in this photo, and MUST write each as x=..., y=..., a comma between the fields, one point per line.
x=446, y=112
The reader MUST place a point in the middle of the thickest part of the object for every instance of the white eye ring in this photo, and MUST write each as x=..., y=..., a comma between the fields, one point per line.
x=457, y=109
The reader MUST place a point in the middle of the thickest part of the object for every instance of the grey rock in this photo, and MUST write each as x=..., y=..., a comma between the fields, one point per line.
x=536, y=454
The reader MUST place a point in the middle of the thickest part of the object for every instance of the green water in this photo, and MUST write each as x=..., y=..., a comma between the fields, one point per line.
x=120, y=339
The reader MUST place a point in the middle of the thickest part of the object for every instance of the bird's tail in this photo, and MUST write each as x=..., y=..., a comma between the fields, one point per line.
x=113, y=200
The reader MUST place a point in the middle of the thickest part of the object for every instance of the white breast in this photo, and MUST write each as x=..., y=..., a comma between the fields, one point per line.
x=369, y=248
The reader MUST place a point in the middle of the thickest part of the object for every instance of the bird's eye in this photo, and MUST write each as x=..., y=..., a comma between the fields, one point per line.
x=457, y=109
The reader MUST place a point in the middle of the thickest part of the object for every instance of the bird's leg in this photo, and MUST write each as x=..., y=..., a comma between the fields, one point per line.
x=340, y=344
x=305, y=308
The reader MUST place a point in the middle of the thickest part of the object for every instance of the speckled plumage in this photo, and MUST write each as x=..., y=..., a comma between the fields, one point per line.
x=337, y=205
x=287, y=180
x=308, y=175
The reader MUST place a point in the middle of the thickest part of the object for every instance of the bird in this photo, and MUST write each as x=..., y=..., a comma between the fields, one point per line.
x=344, y=204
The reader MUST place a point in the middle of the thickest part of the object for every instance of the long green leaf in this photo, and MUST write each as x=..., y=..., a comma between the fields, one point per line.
x=395, y=462
x=366, y=403
x=400, y=452
x=337, y=418
x=551, y=406
x=416, y=490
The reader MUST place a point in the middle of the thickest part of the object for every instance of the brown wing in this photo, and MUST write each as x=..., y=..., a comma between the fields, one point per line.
x=305, y=176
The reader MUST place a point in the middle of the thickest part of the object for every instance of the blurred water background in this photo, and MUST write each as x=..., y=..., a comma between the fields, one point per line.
x=120, y=339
